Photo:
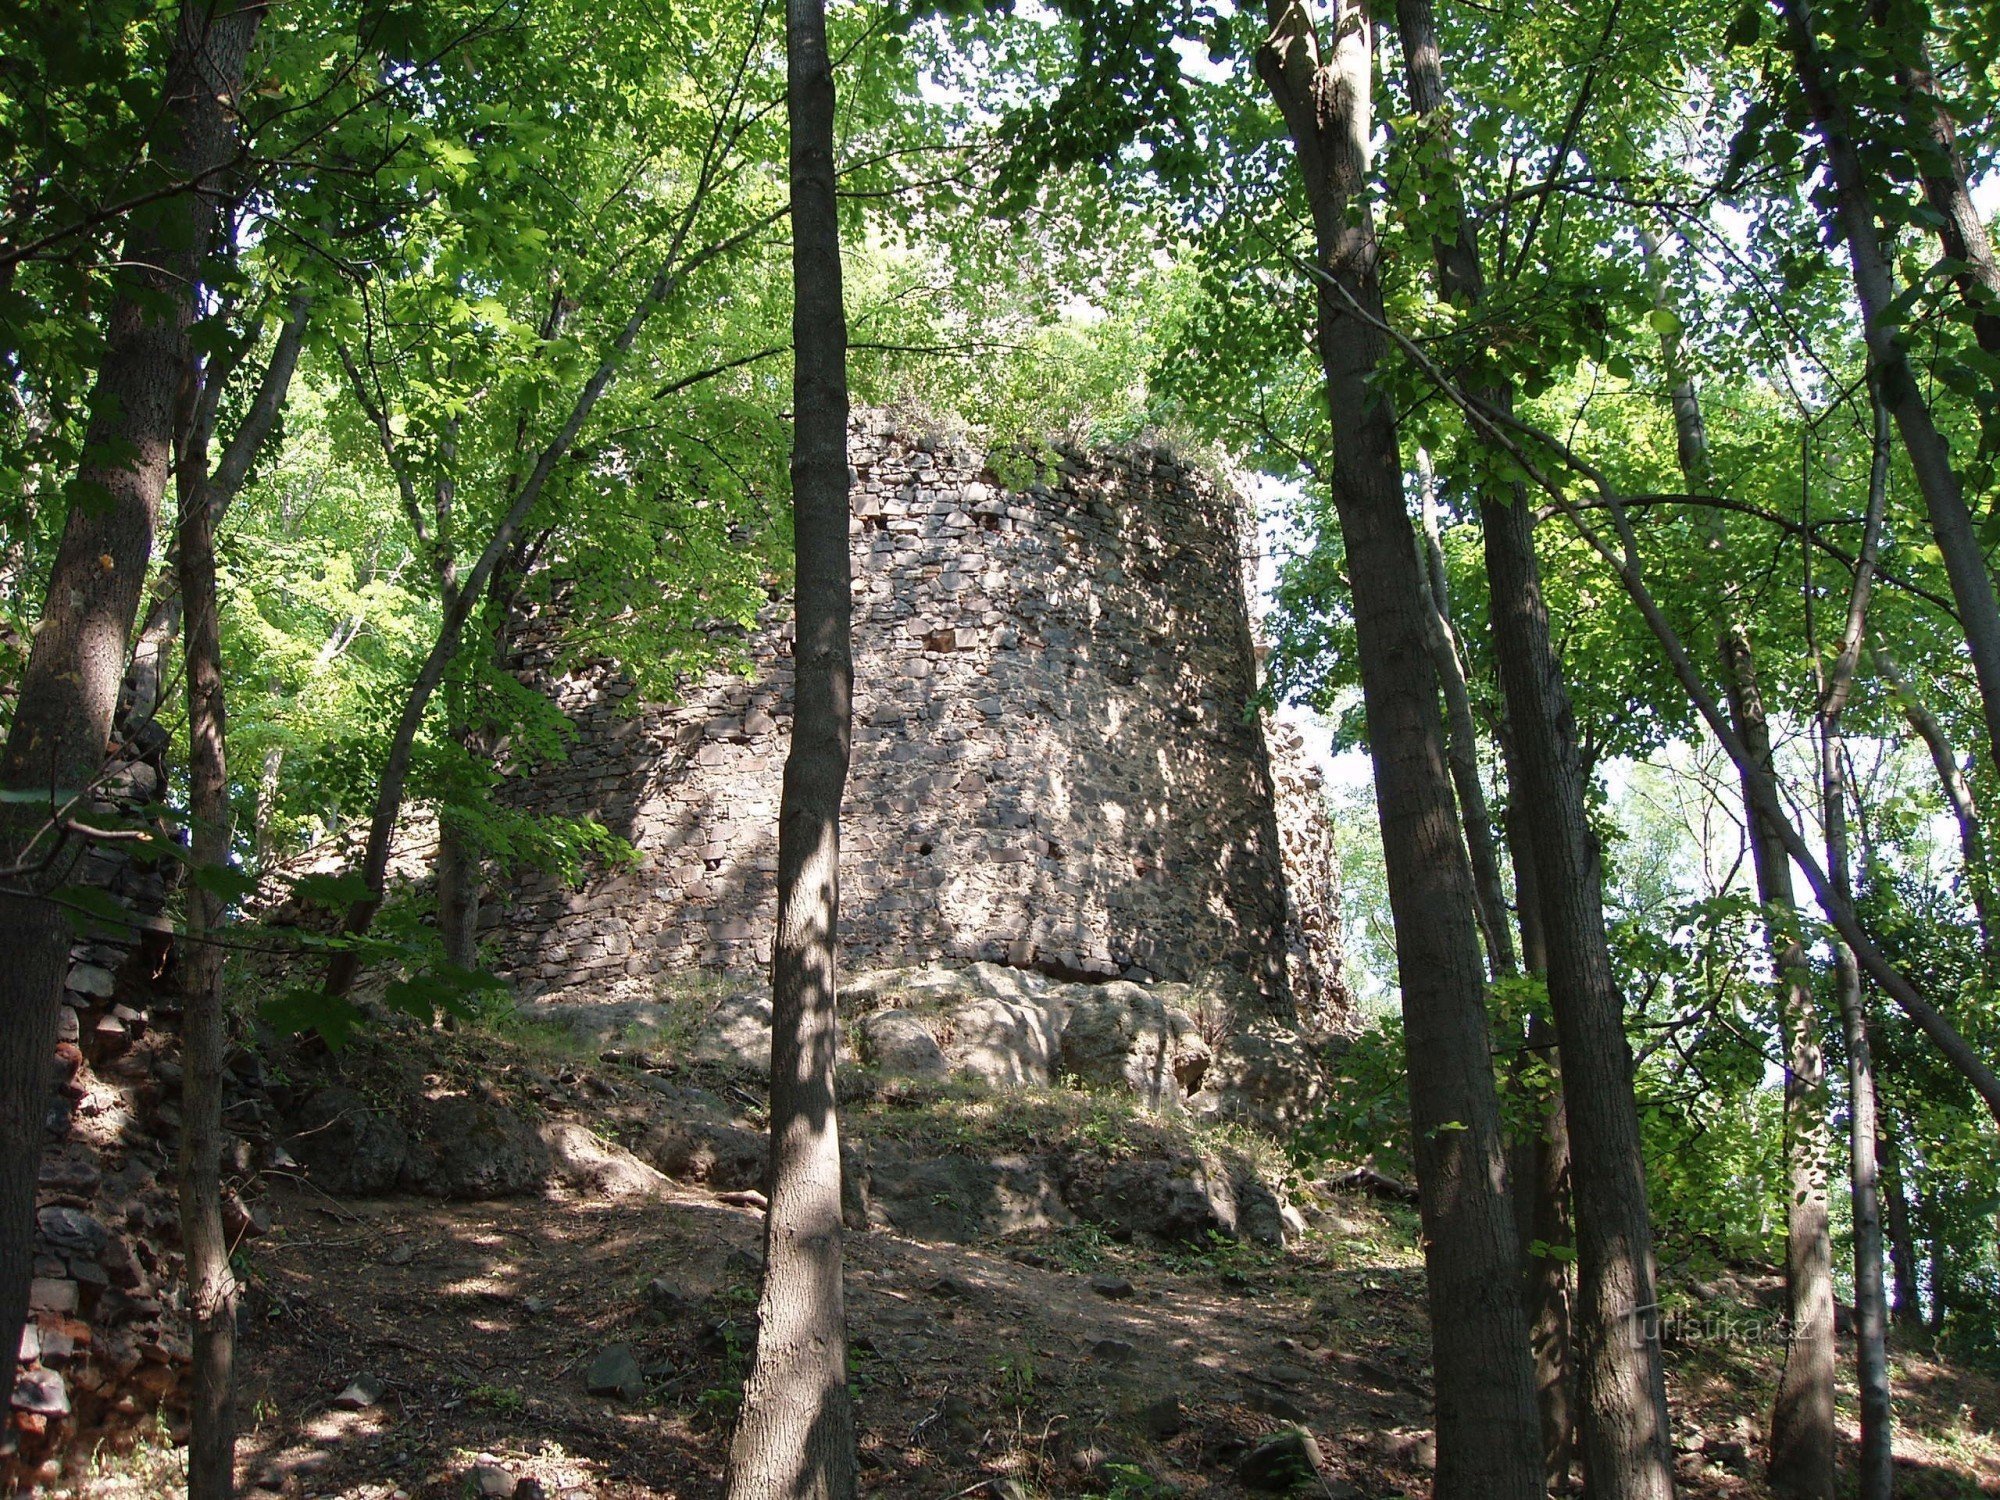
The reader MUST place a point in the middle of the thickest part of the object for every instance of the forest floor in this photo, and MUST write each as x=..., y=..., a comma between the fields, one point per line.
x=1055, y=1363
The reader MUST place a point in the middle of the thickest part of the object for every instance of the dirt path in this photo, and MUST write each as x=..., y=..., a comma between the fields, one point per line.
x=1075, y=1366
x=481, y=1320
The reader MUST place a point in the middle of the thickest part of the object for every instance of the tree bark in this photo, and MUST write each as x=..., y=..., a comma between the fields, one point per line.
x=1871, y=1349
x=1542, y=1197
x=458, y=876
x=69, y=690
x=1462, y=747
x=1627, y=1443
x=1907, y=1306
x=795, y=1437
x=1802, y=1432
x=162, y=622
x=211, y=1287
x=1856, y=219
x=1487, y=1430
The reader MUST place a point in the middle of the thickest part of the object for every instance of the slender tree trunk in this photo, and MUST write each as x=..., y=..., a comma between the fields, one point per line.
x=1871, y=1321
x=211, y=1285
x=1855, y=219
x=69, y=689
x=795, y=1438
x=1627, y=1444
x=1542, y=1196
x=1487, y=1429
x=1907, y=1308
x=264, y=836
x=458, y=876
x=1462, y=746
x=1802, y=1432
x=162, y=623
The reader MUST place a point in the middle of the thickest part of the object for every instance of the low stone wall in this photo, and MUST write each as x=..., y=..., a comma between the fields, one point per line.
x=1056, y=764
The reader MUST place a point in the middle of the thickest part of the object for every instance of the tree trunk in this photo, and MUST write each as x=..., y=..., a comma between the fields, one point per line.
x=1802, y=1431
x=1871, y=1323
x=1462, y=746
x=69, y=689
x=1907, y=1307
x=795, y=1437
x=143, y=675
x=1930, y=456
x=264, y=837
x=211, y=1288
x=1487, y=1429
x=1542, y=1194
x=1627, y=1444
x=458, y=876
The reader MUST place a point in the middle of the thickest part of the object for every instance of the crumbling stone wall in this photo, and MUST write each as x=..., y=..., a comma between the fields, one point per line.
x=104, y=1345
x=1055, y=761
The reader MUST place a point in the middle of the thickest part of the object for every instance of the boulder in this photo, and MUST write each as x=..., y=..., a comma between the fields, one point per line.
x=472, y=1148
x=615, y=1372
x=349, y=1146
x=1003, y=1043
x=1118, y=1035
x=1154, y=1198
x=602, y=1168
x=736, y=1032
x=1265, y=1075
x=962, y=1198
x=1283, y=1461
x=900, y=1043
x=723, y=1157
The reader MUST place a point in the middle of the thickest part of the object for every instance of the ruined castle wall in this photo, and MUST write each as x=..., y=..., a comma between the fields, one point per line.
x=1055, y=764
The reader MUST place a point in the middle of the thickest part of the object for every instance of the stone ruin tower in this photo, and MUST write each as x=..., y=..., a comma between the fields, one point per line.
x=1056, y=763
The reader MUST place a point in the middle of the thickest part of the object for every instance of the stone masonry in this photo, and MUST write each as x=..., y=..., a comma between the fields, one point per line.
x=1055, y=766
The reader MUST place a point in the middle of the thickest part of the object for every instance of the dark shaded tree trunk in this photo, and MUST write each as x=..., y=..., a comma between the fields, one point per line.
x=1542, y=1196
x=795, y=1437
x=1907, y=1304
x=458, y=877
x=1802, y=1432
x=211, y=1286
x=69, y=690
x=1487, y=1428
x=1855, y=221
x=1627, y=1444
